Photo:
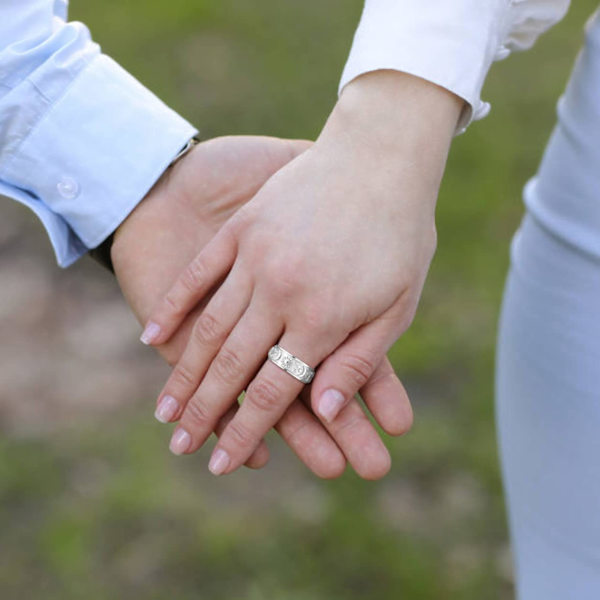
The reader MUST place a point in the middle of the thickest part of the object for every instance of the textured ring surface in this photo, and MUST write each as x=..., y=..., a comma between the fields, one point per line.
x=291, y=364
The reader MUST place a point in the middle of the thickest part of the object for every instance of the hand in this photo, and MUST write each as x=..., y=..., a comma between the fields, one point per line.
x=179, y=216
x=329, y=257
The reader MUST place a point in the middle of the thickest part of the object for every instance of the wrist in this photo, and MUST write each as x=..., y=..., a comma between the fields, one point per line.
x=159, y=185
x=391, y=112
x=121, y=236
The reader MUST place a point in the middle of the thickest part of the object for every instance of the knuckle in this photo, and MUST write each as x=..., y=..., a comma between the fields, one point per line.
x=349, y=425
x=284, y=279
x=317, y=318
x=281, y=288
x=409, y=277
x=206, y=329
x=172, y=304
x=357, y=368
x=194, y=275
x=407, y=317
x=294, y=436
x=240, y=434
x=227, y=365
x=408, y=320
x=197, y=415
x=402, y=314
x=183, y=376
x=264, y=396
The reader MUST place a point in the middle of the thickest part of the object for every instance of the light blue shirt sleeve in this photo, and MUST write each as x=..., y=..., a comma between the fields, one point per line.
x=81, y=140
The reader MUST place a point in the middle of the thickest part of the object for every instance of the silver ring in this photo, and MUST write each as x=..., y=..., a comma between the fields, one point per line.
x=291, y=364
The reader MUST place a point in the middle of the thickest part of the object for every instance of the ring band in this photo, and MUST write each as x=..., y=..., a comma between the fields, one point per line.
x=291, y=364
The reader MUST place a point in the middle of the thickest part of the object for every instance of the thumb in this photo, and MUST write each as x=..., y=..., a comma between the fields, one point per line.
x=360, y=364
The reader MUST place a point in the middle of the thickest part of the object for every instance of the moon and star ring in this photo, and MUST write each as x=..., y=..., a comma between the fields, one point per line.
x=291, y=364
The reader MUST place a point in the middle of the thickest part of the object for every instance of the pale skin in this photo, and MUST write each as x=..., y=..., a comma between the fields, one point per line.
x=177, y=219
x=329, y=257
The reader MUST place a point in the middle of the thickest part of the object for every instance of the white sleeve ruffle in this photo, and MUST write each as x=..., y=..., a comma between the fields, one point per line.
x=450, y=43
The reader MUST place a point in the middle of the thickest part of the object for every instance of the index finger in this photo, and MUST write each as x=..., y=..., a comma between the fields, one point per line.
x=190, y=287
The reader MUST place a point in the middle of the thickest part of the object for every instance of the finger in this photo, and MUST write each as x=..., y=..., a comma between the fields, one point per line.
x=304, y=434
x=209, y=332
x=358, y=440
x=311, y=443
x=298, y=146
x=267, y=398
x=387, y=400
x=307, y=438
x=351, y=366
x=260, y=457
x=233, y=367
x=194, y=282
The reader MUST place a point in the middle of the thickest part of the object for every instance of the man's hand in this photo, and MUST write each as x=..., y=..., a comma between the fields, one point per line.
x=183, y=211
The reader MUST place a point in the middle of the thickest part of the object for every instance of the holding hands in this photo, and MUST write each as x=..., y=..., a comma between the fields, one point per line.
x=327, y=260
x=181, y=214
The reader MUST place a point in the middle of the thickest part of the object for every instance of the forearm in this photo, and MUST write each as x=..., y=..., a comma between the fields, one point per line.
x=394, y=125
x=78, y=134
x=388, y=105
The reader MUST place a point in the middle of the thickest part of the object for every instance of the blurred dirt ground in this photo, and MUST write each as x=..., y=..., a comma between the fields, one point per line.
x=70, y=346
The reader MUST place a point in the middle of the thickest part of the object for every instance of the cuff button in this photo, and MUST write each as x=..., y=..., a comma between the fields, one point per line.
x=501, y=53
x=68, y=188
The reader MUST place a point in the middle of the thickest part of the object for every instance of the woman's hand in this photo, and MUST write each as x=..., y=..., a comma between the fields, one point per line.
x=185, y=209
x=329, y=258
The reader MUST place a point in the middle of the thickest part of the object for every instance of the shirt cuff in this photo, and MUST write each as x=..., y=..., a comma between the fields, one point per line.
x=95, y=153
x=451, y=44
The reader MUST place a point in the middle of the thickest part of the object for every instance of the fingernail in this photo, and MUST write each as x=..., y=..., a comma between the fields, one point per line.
x=150, y=333
x=166, y=409
x=180, y=442
x=330, y=403
x=219, y=462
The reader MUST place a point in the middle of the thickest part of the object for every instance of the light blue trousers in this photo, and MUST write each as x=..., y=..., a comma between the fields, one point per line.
x=548, y=356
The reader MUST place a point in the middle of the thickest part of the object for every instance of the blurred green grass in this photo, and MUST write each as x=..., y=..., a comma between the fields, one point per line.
x=104, y=512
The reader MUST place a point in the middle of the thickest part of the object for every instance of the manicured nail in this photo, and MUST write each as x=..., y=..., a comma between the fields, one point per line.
x=166, y=409
x=150, y=333
x=180, y=442
x=219, y=462
x=330, y=403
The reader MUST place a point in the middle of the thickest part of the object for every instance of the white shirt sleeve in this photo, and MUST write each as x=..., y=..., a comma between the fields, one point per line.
x=451, y=43
x=81, y=140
